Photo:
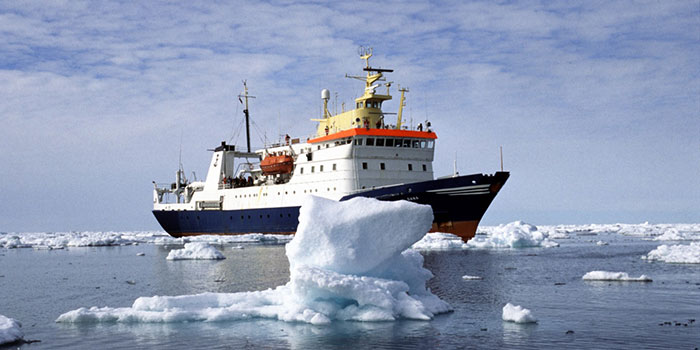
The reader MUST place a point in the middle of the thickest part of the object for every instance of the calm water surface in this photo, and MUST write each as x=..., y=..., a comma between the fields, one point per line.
x=36, y=286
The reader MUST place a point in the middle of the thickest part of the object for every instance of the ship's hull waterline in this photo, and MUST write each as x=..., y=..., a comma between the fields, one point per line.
x=458, y=205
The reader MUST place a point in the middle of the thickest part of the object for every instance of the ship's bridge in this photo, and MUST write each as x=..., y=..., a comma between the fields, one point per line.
x=367, y=114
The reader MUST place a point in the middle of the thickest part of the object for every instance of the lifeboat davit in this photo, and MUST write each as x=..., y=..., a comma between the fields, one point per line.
x=273, y=165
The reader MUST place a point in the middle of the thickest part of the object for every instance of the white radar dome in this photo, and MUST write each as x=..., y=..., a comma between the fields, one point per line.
x=325, y=94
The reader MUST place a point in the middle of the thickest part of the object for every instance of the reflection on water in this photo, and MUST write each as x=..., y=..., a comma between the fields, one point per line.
x=37, y=286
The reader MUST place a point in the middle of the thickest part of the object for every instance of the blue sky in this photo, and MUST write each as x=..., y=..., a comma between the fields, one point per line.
x=596, y=104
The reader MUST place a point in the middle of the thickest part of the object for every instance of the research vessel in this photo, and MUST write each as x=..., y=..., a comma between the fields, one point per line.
x=352, y=153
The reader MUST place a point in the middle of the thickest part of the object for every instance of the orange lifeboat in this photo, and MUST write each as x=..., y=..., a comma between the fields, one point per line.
x=279, y=164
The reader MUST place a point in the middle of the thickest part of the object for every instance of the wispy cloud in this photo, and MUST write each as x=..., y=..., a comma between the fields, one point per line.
x=594, y=101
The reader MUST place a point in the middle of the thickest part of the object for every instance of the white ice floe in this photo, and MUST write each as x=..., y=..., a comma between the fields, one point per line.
x=472, y=278
x=348, y=261
x=10, y=330
x=196, y=251
x=220, y=240
x=601, y=243
x=676, y=254
x=672, y=231
x=513, y=235
x=440, y=241
x=59, y=240
x=517, y=314
x=613, y=276
x=678, y=234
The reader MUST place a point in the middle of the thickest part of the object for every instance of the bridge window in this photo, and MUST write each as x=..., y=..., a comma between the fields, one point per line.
x=382, y=166
x=407, y=143
x=431, y=143
x=423, y=143
x=312, y=168
x=358, y=141
x=380, y=142
x=425, y=168
x=370, y=142
x=364, y=165
x=416, y=143
x=410, y=167
x=390, y=142
x=301, y=170
x=334, y=167
x=320, y=168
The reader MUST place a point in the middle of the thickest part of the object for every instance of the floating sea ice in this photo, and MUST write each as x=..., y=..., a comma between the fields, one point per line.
x=676, y=254
x=676, y=234
x=440, y=241
x=601, y=243
x=348, y=261
x=10, y=331
x=613, y=276
x=10, y=242
x=196, y=251
x=513, y=235
x=517, y=314
x=472, y=278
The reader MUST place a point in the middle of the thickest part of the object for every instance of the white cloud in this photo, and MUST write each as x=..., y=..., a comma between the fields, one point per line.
x=596, y=81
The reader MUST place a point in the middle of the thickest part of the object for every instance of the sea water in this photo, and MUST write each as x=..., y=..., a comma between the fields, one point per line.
x=38, y=285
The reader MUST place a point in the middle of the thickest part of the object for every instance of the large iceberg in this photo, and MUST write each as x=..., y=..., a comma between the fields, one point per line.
x=348, y=261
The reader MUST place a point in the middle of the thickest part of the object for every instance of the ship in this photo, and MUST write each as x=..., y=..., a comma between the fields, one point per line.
x=355, y=153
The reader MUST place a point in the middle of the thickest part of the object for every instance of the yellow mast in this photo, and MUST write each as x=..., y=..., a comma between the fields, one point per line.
x=402, y=103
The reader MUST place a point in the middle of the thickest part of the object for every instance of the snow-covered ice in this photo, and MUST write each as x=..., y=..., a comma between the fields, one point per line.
x=196, y=251
x=348, y=261
x=488, y=237
x=517, y=314
x=440, y=241
x=10, y=330
x=513, y=235
x=613, y=276
x=472, y=278
x=678, y=234
x=59, y=240
x=676, y=254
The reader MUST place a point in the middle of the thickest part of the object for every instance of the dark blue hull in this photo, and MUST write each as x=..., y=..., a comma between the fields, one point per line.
x=458, y=205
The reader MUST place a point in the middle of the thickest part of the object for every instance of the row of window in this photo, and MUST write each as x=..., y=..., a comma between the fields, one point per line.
x=389, y=142
x=243, y=216
x=279, y=193
x=382, y=166
x=313, y=168
x=369, y=104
